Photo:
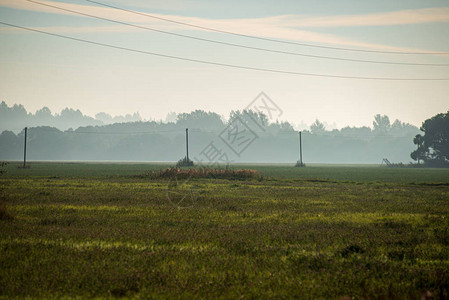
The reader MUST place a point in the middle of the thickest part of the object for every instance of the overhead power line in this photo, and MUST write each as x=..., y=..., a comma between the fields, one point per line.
x=261, y=38
x=218, y=63
x=233, y=44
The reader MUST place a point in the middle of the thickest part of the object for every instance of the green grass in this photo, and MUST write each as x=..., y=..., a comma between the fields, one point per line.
x=359, y=173
x=81, y=169
x=98, y=230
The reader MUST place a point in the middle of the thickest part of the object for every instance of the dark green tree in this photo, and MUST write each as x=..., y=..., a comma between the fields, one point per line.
x=433, y=146
x=420, y=153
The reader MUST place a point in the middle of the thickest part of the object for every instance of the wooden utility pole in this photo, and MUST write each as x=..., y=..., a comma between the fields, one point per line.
x=299, y=163
x=300, y=149
x=187, y=144
x=25, y=149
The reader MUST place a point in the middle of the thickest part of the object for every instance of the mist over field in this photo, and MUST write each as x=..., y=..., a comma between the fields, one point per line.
x=188, y=149
x=71, y=135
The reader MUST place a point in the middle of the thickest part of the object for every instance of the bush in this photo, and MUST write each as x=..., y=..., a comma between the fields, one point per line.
x=3, y=164
x=300, y=164
x=184, y=162
x=206, y=173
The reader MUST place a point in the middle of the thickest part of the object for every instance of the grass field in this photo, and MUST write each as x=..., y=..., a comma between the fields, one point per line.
x=107, y=230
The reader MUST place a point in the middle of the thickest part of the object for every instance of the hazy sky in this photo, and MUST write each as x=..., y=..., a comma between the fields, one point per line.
x=39, y=70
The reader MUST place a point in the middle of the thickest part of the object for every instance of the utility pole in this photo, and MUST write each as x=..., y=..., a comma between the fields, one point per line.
x=25, y=149
x=299, y=163
x=187, y=144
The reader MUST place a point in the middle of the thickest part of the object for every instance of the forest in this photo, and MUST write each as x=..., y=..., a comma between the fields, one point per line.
x=71, y=135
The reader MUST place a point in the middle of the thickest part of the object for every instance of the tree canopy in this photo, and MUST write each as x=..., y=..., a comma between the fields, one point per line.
x=317, y=127
x=433, y=146
x=381, y=123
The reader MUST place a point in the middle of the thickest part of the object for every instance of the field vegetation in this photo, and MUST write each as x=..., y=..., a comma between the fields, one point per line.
x=112, y=230
x=226, y=173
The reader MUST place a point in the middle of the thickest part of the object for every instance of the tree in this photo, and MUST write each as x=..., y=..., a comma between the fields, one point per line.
x=419, y=153
x=317, y=127
x=43, y=117
x=104, y=117
x=171, y=117
x=399, y=128
x=200, y=119
x=69, y=114
x=13, y=117
x=249, y=117
x=381, y=123
x=44, y=112
x=433, y=146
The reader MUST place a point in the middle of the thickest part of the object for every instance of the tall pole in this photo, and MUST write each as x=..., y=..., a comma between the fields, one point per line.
x=25, y=149
x=187, y=143
x=300, y=149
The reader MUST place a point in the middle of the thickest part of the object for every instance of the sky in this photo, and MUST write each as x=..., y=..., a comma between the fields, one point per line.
x=411, y=84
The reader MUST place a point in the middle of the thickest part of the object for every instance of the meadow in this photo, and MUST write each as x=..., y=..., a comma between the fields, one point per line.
x=114, y=230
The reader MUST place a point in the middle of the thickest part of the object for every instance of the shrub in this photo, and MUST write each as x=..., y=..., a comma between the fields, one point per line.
x=3, y=164
x=300, y=164
x=184, y=162
x=206, y=173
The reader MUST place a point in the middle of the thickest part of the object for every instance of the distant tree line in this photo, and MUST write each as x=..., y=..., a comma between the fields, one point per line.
x=271, y=141
x=17, y=117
